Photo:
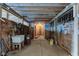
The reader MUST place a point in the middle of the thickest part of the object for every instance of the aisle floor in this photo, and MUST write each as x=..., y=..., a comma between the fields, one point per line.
x=40, y=48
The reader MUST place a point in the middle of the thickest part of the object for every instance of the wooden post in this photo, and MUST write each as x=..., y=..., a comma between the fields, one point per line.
x=55, y=30
x=34, y=31
x=44, y=30
x=74, y=51
x=50, y=31
x=0, y=22
x=0, y=11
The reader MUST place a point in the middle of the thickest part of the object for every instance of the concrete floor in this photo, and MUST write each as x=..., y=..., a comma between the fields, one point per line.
x=40, y=48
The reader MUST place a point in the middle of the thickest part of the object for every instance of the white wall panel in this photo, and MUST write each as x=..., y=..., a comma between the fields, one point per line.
x=4, y=13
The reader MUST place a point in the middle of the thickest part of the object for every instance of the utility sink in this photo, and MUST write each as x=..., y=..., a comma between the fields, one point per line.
x=17, y=39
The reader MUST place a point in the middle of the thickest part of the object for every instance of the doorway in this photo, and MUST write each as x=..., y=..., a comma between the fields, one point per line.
x=39, y=31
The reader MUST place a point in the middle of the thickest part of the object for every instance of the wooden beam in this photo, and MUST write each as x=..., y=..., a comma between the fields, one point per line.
x=37, y=4
x=38, y=8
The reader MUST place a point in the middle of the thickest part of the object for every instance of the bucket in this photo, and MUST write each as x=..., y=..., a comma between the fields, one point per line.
x=51, y=42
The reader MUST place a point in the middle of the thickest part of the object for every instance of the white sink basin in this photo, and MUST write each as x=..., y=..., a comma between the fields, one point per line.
x=17, y=39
